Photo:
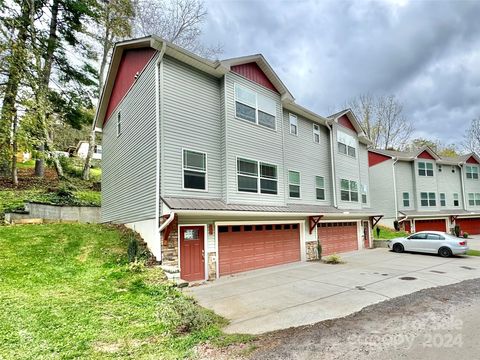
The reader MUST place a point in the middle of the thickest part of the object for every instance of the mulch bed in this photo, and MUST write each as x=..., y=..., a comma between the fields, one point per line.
x=27, y=180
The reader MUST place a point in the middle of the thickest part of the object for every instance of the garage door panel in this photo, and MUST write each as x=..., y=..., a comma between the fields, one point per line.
x=470, y=225
x=265, y=245
x=431, y=225
x=337, y=237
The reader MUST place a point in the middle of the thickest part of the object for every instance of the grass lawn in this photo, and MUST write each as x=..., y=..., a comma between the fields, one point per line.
x=473, y=252
x=67, y=292
x=387, y=233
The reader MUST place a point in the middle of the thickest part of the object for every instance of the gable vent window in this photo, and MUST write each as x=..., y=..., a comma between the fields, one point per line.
x=119, y=123
x=316, y=133
x=255, y=108
x=472, y=172
x=293, y=124
x=425, y=169
x=194, y=170
x=346, y=144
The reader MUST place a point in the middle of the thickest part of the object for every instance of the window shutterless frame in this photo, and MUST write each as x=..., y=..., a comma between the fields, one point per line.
x=257, y=109
x=293, y=184
x=293, y=124
x=199, y=171
x=316, y=133
x=406, y=199
x=319, y=188
x=258, y=176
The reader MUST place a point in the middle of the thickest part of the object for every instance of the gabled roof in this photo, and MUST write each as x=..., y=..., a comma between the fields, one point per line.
x=412, y=155
x=427, y=149
x=260, y=60
x=354, y=121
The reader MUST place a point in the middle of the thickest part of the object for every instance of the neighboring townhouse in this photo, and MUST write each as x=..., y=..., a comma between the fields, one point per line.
x=424, y=191
x=218, y=168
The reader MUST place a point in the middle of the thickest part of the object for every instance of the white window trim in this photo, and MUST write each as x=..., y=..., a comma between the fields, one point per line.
x=467, y=167
x=457, y=199
x=350, y=191
x=363, y=193
x=316, y=187
x=258, y=176
x=316, y=132
x=194, y=170
x=444, y=198
x=408, y=199
x=235, y=84
x=426, y=170
x=299, y=184
x=119, y=123
x=290, y=116
x=428, y=199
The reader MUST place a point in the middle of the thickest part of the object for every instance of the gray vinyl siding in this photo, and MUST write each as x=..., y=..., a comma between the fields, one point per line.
x=363, y=168
x=223, y=144
x=426, y=184
x=191, y=120
x=404, y=177
x=309, y=158
x=449, y=183
x=251, y=141
x=471, y=186
x=347, y=167
x=129, y=161
x=382, y=193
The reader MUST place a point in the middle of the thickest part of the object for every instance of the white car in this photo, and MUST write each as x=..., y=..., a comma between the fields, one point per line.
x=434, y=242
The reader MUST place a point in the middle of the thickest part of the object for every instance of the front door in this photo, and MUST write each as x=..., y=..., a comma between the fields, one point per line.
x=192, y=253
x=366, y=235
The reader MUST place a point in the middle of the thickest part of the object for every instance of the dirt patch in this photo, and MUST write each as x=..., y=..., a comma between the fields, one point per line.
x=27, y=180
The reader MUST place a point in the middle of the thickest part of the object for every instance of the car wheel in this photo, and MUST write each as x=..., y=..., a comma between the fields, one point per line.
x=444, y=252
x=398, y=248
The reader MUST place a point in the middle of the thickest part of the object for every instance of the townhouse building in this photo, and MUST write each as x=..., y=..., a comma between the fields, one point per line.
x=220, y=170
x=424, y=191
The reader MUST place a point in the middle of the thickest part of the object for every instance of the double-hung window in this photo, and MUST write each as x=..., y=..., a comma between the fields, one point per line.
x=472, y=172
x=346, y=144
x=406, y=199
x=254, y=107
x=194, y=170
x=348, y=190
x=456, y=201
x=428, y=199
x=320, y=187
x=364, y=193
x=254, y=176
x=316, y=133
x=443, y=199
x=293, y=120
x=474, y=199
x=294, y=184
x=425, y=169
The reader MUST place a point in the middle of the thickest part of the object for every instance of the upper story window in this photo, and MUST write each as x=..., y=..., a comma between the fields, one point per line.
x=425, y=169
x=254, y=107
x=294, y=184
x=472, y=172
x=194, y=170
x=348, y=190
x=316, y=133
x=97, y=149
x=119, y=123
x=364, y=193
x=474, y=199
x=253, y=176
x=428, y=199
x=320, y=187
x=406, y=199
x=456, y=201
x=293, y=124
x=346, y=144
x=443, y=199
x=439, y=168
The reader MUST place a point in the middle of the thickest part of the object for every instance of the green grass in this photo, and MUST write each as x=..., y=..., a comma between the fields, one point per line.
x=26, y=165
x=473, y=252
x=14, y=199
x=67, y=292
x=387, y=233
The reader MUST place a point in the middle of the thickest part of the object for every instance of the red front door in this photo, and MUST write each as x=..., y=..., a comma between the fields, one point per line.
x=192, y=254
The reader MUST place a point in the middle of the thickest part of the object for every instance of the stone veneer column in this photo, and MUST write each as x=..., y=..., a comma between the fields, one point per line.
x=170, y=245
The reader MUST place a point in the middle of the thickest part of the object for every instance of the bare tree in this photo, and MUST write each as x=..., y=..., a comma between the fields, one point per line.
x=177, y=21
x=472, y=136
x=383, y=120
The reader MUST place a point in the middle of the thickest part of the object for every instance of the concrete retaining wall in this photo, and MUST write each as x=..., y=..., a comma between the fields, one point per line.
x=83, y=214
x=380, y=243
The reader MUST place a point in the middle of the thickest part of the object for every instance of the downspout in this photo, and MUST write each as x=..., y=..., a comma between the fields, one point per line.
x=332, y=162
x=169, y=220
x=464, y=197
x=158, y=122
x=395, y=189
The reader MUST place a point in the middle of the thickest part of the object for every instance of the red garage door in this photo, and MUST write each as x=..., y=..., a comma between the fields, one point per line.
x=249, y=247
x=471, y=226
x=435, y=225
x=337, y=237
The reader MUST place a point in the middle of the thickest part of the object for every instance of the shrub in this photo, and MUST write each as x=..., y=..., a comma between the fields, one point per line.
x=319, y=248
x=137, y=266
x=333, y=259
x=396, y=225
x=456, y=231
x=132, y=251
x=465, y=235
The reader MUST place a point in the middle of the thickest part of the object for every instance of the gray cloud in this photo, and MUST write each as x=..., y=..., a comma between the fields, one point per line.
x=425, y=52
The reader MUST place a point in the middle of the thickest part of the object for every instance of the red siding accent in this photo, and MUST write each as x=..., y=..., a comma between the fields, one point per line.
x=133, y=61
x=426, y=155
x=471, y=160
x=374, y=158
x=253, y=72
x=344, y=121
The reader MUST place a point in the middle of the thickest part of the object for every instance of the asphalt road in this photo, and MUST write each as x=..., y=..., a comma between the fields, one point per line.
x=437, y=323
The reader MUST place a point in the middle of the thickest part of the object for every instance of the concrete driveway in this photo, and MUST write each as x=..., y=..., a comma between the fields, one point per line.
x=305, y=293
x=474, y=242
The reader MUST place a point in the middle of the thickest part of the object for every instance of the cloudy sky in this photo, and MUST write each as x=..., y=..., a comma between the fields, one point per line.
x=427, y=53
